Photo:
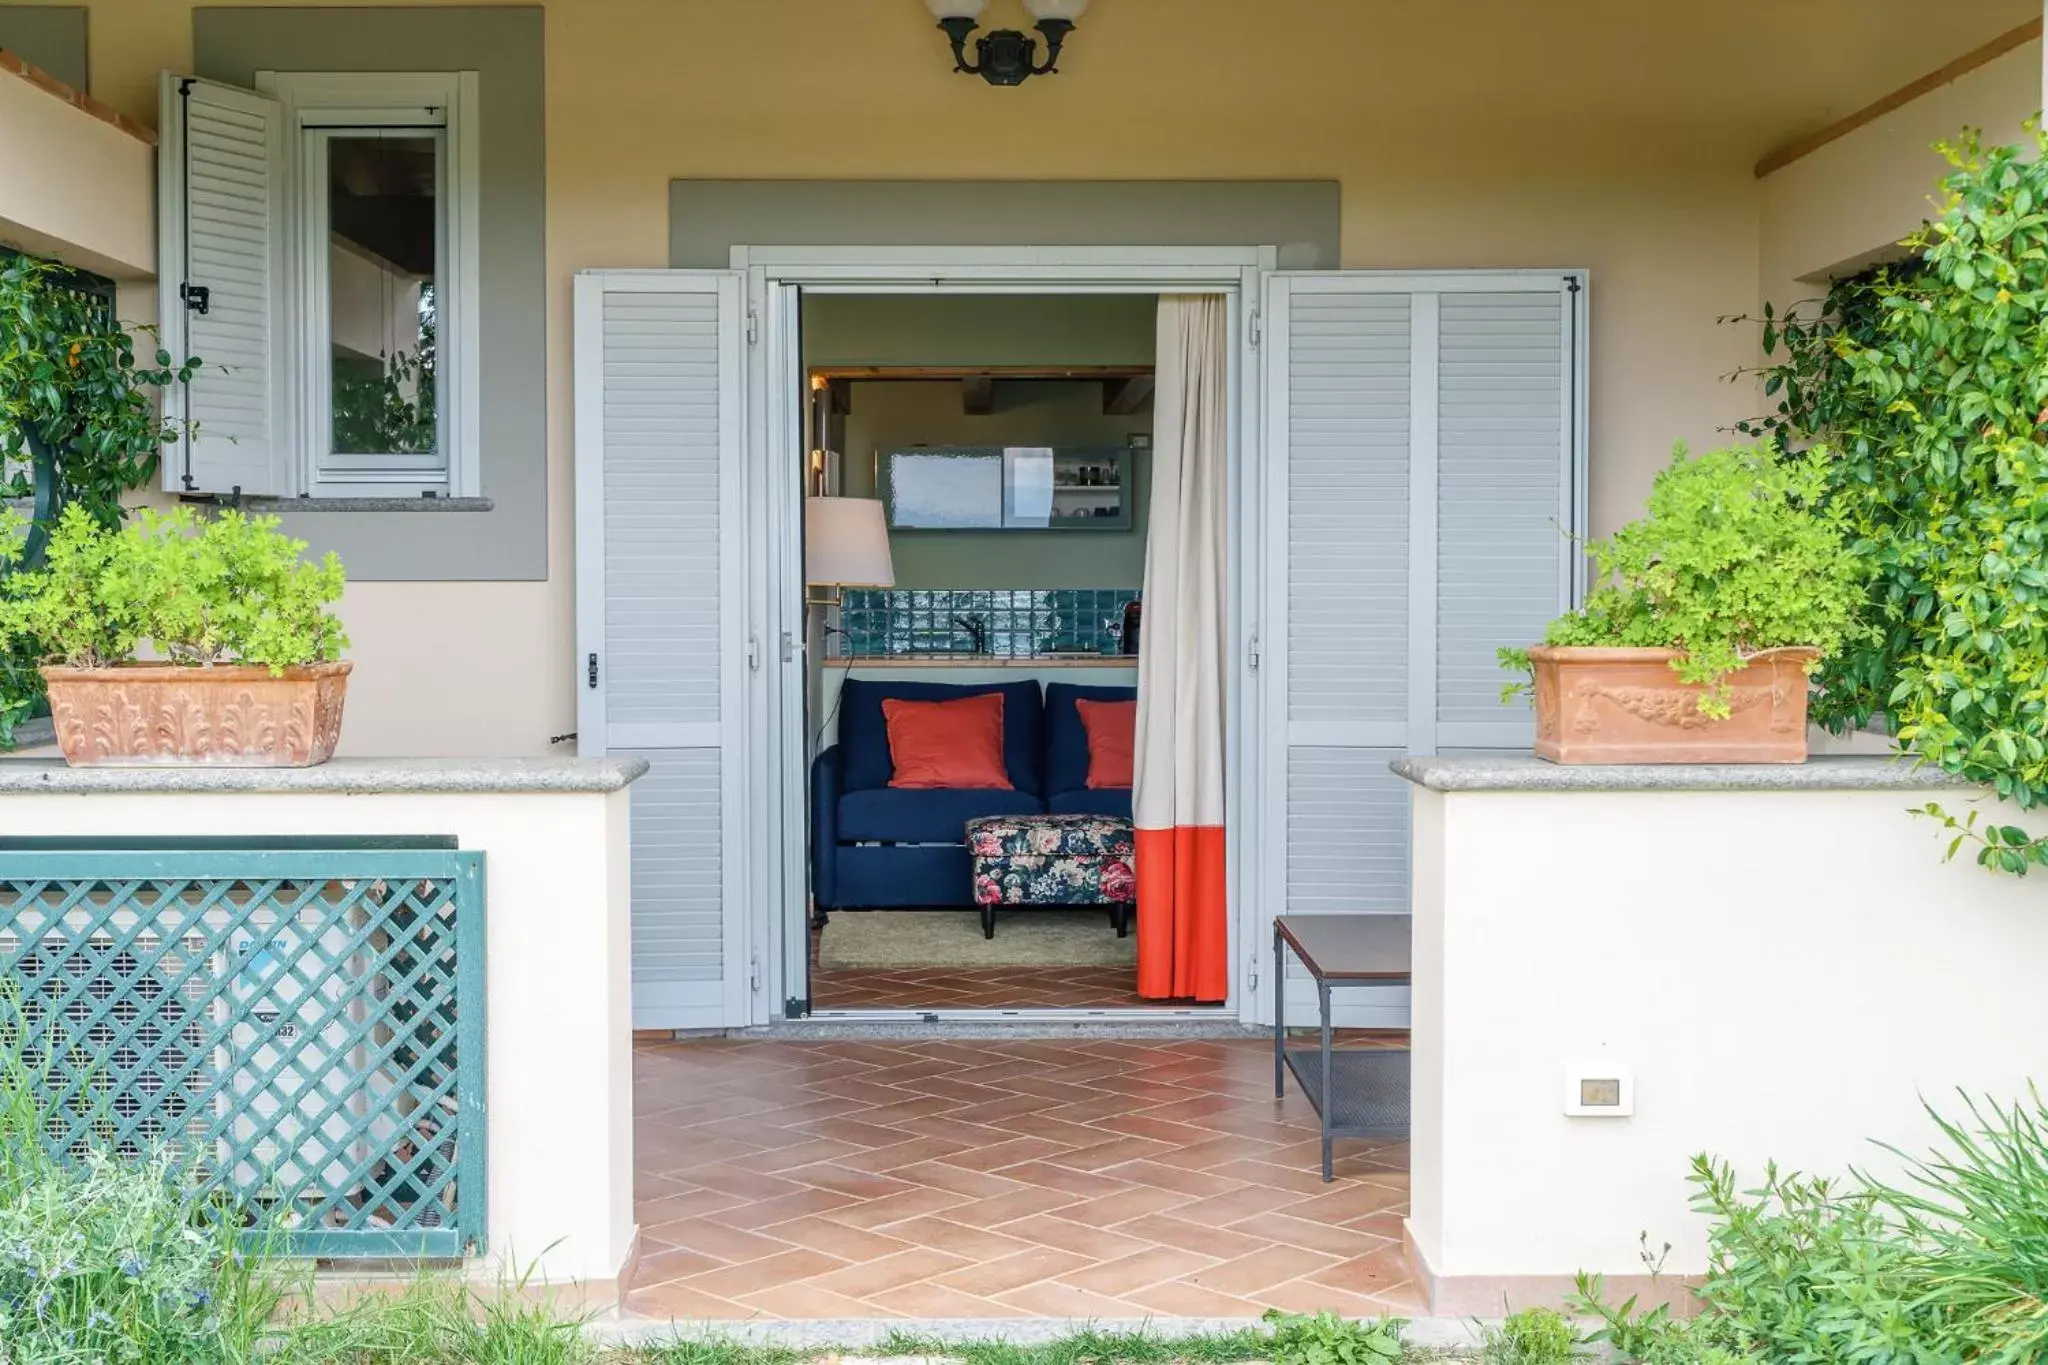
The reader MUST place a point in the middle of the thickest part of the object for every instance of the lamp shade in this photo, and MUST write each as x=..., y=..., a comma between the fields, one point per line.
x=956, y=9
x=1069, y=10
x=846, y=543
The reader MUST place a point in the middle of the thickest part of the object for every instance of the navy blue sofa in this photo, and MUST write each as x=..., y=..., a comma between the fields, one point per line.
x=874, y=846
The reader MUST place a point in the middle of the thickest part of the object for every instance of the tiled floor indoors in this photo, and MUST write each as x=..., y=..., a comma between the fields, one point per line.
x=974, y=988
x=1072, y=1178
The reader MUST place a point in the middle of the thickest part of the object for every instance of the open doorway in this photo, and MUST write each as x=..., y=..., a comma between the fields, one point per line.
x=1002, y=446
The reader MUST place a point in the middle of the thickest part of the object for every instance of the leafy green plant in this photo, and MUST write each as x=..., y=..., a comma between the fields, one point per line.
x=1737, y=557
x=388, y=404
x=229, y=587
x=1327, y=1339
x=1534, y=1336
x=73, y=396
x=1977, y=1214
x=1929, y=382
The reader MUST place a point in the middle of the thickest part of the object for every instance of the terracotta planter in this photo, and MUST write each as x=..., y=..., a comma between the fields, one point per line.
x=1627, y=706
x=229, y=715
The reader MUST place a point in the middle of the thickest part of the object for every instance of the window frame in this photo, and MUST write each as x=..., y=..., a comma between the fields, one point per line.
x=316, y=107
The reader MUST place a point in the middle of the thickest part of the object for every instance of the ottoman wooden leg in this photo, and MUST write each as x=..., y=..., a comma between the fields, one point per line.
x=988, y=920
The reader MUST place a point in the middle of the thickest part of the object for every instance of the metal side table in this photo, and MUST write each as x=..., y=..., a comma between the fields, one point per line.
x=1356, y=1094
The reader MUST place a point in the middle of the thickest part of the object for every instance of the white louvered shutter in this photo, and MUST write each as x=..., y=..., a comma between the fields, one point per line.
x=661, y=658
x=220, y=254
x=1419, y=462
x=1504, y=500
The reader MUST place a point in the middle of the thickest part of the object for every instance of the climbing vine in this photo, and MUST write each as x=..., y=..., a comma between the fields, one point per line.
x=1929, y=382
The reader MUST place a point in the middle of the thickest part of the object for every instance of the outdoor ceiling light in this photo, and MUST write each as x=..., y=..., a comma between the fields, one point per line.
x=1006, y=56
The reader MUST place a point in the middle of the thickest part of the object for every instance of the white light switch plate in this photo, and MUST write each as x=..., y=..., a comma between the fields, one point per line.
x=1599, y=1090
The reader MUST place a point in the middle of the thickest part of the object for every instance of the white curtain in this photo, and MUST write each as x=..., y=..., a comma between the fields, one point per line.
x=1183, y=920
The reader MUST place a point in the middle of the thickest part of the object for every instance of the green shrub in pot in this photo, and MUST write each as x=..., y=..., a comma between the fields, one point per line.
x=1738, y=556
x=229, y=588
x=243, y=646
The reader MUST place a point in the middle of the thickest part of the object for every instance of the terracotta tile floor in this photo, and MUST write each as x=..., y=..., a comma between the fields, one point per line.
x=1089, y=1178
x=976, y=988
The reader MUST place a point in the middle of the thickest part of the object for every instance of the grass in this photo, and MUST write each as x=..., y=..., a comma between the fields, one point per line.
x=1085, y=1347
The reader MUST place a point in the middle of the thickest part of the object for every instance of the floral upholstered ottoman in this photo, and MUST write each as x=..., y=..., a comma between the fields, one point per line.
x=1052, y=860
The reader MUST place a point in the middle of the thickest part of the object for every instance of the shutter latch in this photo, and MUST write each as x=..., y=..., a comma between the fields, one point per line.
x=197, y=297
x=590, y=671
x=1251, y=654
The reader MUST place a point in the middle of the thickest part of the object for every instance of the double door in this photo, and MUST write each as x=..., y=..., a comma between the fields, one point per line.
x=1409, y=477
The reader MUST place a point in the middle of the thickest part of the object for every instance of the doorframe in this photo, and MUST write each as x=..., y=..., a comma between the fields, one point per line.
x=775, y=276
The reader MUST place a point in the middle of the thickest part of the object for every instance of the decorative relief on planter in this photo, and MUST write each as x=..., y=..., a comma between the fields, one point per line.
x=1677, y=705
x=226, y=715
x=1627, y=706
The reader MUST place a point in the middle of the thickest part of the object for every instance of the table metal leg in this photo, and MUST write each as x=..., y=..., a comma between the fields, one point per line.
x=1279, y=1015
x=1329, y=1104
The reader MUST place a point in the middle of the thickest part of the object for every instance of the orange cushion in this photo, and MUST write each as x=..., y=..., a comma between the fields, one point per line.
x=947, y=743
x=1112, y=736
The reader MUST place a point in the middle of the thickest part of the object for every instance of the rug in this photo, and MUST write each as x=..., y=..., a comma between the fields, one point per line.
x=952, y=938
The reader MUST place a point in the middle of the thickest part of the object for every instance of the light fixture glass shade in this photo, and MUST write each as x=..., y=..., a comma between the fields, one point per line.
x=1069, y=10
x=846, y=543
x=958, y=9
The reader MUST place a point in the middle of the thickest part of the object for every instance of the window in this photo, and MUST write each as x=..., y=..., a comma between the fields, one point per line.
x=325, y=230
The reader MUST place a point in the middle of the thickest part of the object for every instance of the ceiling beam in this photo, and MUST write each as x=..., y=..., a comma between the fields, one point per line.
x=1898, y=99
x=1122, y=397
x=978, y=395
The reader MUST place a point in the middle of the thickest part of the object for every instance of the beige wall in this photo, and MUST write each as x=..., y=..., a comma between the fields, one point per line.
x=74, y=186
x=1557, y=142
x=1848, y=204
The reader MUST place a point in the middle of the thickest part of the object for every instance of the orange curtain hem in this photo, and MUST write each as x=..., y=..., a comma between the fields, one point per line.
x=1183, y=924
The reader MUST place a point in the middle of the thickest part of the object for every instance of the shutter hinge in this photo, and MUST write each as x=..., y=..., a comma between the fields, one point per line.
x=197, y=297
x=590, y=671
x=1571, y=282
x=753, y=654
x=753, y=328
x=1252, y=329
x=754, y=973
x=1252, y=653
x=1251, y=972
x=788, y=647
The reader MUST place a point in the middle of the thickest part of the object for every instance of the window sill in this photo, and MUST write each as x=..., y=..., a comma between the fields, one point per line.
x=303, y=505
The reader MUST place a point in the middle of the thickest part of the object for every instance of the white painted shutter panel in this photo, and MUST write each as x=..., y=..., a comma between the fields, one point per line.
x=1343, y=378
x=1420, y=458
x=661, y=658
x=1504, y=500
x=1340, y=380
x=220, y=230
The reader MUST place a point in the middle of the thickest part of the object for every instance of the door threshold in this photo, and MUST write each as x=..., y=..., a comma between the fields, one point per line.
x=1138, y=1015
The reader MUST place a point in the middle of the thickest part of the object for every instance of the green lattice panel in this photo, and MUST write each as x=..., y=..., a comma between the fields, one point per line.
x=304, y=1024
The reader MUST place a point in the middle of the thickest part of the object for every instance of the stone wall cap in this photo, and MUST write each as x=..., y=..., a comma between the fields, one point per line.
x=1526, y=772
x=341, y=776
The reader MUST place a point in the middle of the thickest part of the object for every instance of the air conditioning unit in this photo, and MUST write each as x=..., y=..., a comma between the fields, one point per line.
x=260, y=1033
x=161, y=1073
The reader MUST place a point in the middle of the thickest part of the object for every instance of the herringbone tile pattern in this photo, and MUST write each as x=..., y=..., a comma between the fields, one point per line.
x=977, y=988
x=1089, y=1178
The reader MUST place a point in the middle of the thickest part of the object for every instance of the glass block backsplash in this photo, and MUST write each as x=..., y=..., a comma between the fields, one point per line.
x=1007, y=622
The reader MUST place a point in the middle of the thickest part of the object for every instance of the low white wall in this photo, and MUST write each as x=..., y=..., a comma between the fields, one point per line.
x=559, y=1077
x=1786, y=973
